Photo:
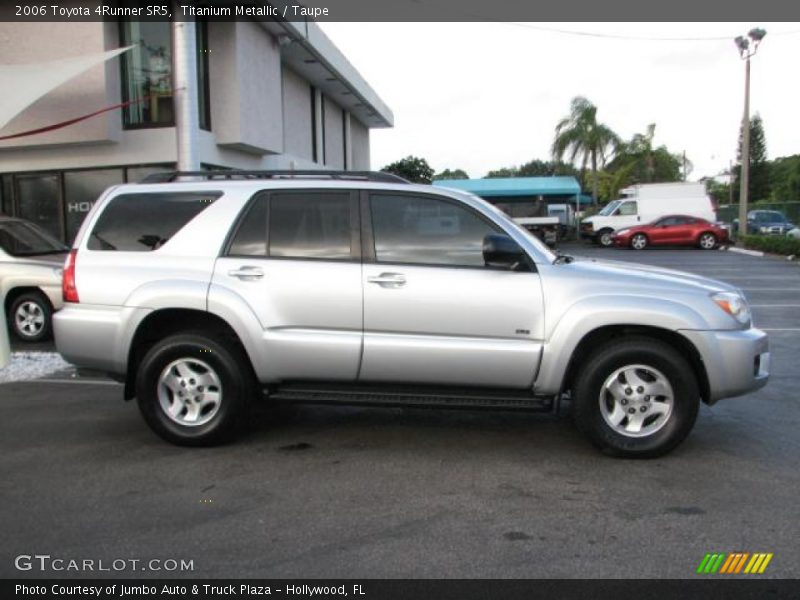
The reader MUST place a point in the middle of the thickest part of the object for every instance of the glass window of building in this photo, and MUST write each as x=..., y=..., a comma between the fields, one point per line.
x=147, y=74
x=81, y=189
x=39, y=201
x=203, y=89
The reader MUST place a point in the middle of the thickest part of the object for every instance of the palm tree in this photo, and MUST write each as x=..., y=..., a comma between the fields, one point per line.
x=580, y=135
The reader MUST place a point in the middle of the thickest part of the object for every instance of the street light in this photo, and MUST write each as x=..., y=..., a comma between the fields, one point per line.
x=747, y=46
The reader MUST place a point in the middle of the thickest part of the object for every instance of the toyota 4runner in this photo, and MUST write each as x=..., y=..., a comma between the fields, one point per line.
x=204, y=291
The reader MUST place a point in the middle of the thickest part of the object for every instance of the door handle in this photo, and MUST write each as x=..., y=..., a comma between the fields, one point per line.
x=388, y=279
x=247, y=273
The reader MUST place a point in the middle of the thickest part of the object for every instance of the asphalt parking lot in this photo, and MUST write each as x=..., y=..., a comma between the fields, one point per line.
x=335, y=492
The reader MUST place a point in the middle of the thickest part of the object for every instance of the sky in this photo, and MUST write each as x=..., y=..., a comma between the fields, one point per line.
x=481, y=96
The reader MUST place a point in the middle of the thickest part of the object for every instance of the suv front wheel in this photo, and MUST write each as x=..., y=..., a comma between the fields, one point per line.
x=636, y=397
x=194, y=389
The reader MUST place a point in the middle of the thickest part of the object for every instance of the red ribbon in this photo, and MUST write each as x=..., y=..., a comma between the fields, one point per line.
x=72, y=121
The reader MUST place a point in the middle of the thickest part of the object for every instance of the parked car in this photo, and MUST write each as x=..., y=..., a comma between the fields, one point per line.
x=765, y=222
x=645, y=203
x=673, y=230
x=31, y=262
x=360, y=288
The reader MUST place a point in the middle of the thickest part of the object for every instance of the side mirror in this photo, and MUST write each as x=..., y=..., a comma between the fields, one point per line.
x=502, y=252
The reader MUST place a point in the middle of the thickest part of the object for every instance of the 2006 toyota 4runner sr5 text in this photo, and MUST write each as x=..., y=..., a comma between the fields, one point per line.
x=204, y=291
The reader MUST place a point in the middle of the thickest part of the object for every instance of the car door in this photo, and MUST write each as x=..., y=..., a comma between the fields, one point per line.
x=627, y=215
x=294, y=262
x=668, y=231
x=433, y=313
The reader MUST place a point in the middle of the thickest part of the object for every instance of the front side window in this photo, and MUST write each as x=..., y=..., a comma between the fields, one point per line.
x=147, y=74
x=146, y=221
x=310, y=225
x=427, y=231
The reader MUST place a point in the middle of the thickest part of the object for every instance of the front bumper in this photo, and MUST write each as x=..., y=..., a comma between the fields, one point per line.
x=736, y=362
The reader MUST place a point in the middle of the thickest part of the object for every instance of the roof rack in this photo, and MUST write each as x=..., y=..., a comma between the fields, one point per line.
x=377, y=176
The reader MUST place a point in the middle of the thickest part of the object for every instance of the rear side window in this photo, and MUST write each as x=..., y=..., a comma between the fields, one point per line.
x=146, y=221
x=310, y=225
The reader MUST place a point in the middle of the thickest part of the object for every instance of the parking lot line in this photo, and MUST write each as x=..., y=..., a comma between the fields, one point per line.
x=780, y=329
x=775, y=306
x=72, y=381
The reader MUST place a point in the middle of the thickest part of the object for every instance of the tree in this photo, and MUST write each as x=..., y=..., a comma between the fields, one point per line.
x=448, y=174
x=759, y=184
x=650, y=165
x=535, y=168
x=580, y=136
x=784, y=176
x=416, y=170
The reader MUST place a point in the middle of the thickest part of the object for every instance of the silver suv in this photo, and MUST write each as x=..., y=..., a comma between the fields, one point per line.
x=360, y=288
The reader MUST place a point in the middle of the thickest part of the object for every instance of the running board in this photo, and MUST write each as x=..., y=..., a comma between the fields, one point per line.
x=416, y=397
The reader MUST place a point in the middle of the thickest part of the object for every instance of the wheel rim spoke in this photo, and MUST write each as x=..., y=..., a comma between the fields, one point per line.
x=636, y=400
x=189, y=392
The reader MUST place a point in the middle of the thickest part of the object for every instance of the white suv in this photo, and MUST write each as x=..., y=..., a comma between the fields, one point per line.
x=364, y=289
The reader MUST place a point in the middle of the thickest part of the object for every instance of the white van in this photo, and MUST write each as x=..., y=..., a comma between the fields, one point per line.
x=645, y=203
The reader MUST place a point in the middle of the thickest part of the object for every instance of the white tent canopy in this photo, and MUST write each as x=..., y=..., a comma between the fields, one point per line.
x=25, y=84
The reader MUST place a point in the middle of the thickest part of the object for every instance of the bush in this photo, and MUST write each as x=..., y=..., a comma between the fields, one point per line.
x=775, y=244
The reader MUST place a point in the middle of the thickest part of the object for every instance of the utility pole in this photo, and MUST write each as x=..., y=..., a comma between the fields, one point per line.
x=746, y=51
x=184, y=69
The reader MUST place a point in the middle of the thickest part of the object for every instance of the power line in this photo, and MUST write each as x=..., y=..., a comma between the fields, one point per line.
x=642, y=38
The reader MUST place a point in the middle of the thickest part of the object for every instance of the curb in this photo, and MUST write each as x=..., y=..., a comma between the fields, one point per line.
x=744, y=251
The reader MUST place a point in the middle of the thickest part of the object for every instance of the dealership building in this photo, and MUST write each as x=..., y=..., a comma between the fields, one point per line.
x=269, y=95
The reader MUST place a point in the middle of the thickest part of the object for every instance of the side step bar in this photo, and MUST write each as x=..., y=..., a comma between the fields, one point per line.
x=412, y=396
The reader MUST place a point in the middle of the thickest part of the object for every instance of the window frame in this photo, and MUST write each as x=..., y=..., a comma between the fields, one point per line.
x=355, y=227
x=368, y=232
x=126, y=125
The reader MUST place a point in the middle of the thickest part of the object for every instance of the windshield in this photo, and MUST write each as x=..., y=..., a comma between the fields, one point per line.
x=770, y=216
x=610, y=208
x=512, y=223
x=19, y=238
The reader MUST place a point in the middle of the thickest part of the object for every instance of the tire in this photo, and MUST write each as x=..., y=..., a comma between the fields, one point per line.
x=620, y=365
x=30, y=317
x=204, y=368
x=707, y=241
x=639, y=241
x=604, y=238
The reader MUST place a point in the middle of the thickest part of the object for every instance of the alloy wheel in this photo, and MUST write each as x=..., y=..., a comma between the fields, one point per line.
x=636, y=400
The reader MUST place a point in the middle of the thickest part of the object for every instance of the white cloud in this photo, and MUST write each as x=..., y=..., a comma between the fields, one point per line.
x=480, y=96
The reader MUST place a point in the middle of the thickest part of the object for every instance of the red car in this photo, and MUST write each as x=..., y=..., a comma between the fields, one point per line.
x=672, y=230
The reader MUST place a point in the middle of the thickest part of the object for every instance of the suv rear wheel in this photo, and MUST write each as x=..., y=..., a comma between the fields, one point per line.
x=194, y=389
x=636, y=397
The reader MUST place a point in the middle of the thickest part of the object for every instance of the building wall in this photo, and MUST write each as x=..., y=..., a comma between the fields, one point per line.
x=245, y=81
x=359, y=134
x=98, y=87
x=297, y=125
x=334, y=138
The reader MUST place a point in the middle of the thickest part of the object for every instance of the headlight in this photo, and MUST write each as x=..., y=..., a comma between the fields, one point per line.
x=765, y=230
x=733, y=304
